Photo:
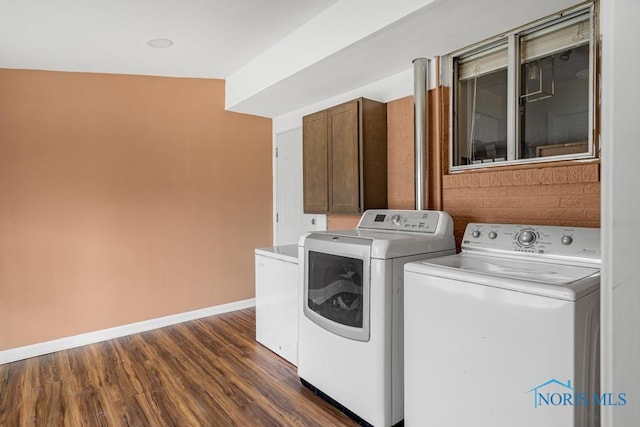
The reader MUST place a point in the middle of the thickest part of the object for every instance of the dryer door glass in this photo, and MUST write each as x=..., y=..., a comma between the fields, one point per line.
x=335, y=288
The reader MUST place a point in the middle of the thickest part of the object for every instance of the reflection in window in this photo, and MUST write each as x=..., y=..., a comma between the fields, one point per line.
x=482, y=118
x=554, y=90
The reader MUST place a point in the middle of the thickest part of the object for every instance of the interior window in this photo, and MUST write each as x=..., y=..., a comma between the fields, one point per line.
x=525, y=96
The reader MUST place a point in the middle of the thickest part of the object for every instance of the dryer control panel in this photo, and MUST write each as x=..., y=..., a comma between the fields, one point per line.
x=420, y=221
x=579, y=243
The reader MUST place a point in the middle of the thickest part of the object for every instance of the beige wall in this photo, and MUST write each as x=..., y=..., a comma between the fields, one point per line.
x=124, y=198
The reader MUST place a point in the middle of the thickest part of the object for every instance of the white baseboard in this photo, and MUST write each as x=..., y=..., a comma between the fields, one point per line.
x=19, y=353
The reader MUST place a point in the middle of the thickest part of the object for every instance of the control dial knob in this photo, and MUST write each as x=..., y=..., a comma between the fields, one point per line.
x=527, y=238
x=566, y=240
x=395, y=219
x=493, y=235
x=475, y=234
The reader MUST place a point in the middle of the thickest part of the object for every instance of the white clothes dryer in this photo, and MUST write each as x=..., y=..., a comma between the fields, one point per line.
x=507, y=332
x=350, y=322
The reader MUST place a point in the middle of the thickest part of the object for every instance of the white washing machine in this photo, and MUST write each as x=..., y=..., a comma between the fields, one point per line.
x=507, y=332
x=350, y=329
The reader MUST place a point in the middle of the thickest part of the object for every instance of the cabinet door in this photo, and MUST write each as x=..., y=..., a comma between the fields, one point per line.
x=344, y=158
x=314, y=146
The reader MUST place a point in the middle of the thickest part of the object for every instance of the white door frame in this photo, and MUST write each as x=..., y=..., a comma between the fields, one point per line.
x=307, y=222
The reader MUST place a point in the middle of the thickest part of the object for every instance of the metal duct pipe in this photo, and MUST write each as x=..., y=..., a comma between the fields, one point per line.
x=421, y=131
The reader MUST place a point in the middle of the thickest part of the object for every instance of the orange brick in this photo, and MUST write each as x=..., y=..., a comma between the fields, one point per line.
x=460, y=212
x=574, y=174
x=560, y=189
x=591, y=173
x=547, y=176
x=341, y=222
x=478, y=192
x=495, y=179
x=471, y=179
x=592, y=188
x=519, y=177
x=543, y=202
x=560, y=214
x=533, y=176
x=482, y=192
x=504, y=202
x=456, y=193
x=463, y=203
x=449, y=181
x=522, y=202
x=484, y=180
x=501, y=214
x=589, y=202
x=503, y=178
x=517, y=190
x=402, y=204
x=560, y=175
x=592, y=215
x=452, y=181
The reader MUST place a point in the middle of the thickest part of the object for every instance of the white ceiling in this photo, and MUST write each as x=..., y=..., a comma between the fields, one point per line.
x=212, y=38
x=276, y=56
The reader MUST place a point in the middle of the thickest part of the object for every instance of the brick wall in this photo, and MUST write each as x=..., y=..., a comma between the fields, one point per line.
x=554, y=195
x=560, y=193
x=342, y=221
x=400, y=155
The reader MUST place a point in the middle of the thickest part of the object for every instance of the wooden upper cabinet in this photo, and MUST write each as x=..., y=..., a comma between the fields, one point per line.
x=314, y=167
x=352, y=137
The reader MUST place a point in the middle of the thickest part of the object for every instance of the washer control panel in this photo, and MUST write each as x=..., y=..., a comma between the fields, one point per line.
x=404, y=220
x=540, y=240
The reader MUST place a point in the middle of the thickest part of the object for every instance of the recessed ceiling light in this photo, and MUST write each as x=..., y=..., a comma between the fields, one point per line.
x=160, y=43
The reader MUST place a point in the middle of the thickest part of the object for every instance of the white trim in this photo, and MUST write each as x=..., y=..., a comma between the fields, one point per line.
x=513, y=100
x=19, y=353
x=387, y=89
x=607, y=190
x=274, y=185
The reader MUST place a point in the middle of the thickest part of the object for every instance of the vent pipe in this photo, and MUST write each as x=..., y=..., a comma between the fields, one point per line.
x=421, y=111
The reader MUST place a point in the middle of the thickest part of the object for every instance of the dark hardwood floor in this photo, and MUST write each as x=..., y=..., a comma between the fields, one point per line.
x=207, y=372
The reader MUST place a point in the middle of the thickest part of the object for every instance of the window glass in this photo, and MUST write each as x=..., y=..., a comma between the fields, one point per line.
x=482, y=119
x=554, y=90
x=527, y=95
x=481, y=108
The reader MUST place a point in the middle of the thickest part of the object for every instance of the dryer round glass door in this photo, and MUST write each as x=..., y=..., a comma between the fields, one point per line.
x=336, y=286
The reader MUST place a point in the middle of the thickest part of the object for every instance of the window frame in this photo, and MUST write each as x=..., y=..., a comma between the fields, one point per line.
x=512, y=40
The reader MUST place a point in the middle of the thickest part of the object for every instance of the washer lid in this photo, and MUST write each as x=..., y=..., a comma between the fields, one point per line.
x=561, y=281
